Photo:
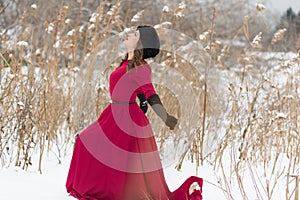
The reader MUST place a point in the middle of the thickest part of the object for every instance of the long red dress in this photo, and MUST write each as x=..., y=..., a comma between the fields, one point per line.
x=116, y=157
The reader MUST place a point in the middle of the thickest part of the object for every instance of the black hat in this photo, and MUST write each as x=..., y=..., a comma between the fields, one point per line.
x=150, y=41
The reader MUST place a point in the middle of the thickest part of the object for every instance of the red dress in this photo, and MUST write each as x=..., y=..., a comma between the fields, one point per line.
x=116, y=157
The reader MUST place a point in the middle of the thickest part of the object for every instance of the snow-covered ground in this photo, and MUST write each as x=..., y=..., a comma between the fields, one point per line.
x=16, y=184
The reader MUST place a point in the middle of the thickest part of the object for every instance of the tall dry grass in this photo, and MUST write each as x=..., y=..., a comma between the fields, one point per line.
x=242, y=116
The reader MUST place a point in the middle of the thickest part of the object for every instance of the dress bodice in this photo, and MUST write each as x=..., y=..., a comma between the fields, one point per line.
x=124, y=86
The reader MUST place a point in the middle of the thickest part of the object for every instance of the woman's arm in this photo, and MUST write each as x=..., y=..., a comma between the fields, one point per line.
x=160, y=110
x=143, y=102
x=142, y=77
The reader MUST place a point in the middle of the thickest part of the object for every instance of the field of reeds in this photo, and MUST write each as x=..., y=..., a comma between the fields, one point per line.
x=237, y=100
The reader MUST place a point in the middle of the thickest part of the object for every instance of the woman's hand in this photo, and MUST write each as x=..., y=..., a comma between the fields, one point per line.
x=171, y=121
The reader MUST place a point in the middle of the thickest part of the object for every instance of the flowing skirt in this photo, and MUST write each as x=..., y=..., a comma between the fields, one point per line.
x=116, y=158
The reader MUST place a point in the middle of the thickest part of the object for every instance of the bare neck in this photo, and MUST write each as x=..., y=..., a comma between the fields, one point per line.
x=130, y=55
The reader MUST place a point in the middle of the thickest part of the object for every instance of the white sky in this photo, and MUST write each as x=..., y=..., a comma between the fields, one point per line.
x=283, y=5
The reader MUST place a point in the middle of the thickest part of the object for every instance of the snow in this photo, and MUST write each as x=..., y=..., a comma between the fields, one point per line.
x=51, y=183
x=50, y=28
x=179, y=15
x=17, y=184
x=166, y=9
x=38, y=52
x=260, y=7
x=22, y=44
x=81, y=29
x=94, y=17
x=137, y=16
x=67, y=21
x=71, y=32
x=163, y=25
x=34, y=6
x=256, y=41
x=57, y=44
x=182, y=5
x=21, y=104
x=92, y=26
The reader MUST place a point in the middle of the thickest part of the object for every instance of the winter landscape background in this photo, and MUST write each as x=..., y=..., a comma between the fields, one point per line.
x=229, y=70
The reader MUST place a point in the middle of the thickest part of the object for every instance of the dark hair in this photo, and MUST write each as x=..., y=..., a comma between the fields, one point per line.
x=150, y=41
x=147, y=47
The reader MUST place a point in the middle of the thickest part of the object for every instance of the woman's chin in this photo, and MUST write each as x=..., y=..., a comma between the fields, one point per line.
x=125, y=42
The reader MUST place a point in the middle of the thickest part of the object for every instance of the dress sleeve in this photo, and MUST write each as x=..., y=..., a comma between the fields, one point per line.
x=143, y=81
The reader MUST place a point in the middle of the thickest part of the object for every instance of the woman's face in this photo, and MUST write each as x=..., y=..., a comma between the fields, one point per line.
x=131, y=39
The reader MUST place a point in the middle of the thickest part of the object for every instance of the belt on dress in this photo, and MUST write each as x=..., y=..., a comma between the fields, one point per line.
x=123, y=102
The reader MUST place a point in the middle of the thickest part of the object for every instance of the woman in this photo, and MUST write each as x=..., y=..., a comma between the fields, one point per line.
x=116, y=157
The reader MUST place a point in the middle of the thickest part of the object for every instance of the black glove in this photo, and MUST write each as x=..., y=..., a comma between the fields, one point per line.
x=171, y=121
x=159, y=109
x=143, y=102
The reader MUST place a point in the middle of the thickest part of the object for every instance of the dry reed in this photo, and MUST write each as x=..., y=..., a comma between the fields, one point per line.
x=49, y=93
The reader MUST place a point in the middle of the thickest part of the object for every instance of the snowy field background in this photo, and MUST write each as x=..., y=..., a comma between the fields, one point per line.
x=17, y=184
x=246, y=135
x=219, y=183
